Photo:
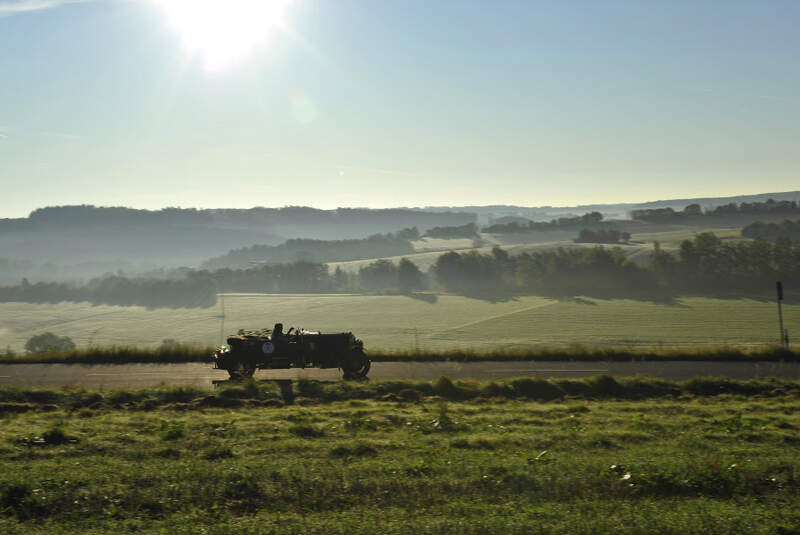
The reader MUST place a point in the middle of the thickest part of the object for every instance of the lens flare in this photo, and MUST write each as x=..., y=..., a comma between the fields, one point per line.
x=224, y=32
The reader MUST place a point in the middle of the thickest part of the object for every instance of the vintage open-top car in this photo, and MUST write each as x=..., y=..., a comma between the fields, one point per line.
x=247, y=352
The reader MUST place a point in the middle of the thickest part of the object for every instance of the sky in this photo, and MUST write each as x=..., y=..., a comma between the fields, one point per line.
x=328, y=103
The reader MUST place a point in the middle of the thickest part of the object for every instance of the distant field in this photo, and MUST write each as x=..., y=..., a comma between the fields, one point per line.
x=638, y=250
x=427, y=259
x=404, y=323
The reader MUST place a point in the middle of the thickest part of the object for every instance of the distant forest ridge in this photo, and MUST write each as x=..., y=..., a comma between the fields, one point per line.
x=88, y=215
x=76, y=243
x=77, y=215
x=488, y=214
x=96, y=239
x=377, y=245
x=768, y=207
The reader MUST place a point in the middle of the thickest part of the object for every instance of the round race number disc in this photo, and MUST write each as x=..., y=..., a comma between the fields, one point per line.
x=268, y=348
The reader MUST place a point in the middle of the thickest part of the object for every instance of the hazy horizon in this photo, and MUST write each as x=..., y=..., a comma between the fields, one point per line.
x=389, y=206
x=153, y=103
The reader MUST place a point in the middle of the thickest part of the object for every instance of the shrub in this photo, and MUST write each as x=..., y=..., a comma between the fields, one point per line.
x=55, y=436
x=535, y=388
x=493, y=390
x=605, y=386
x=445, y=388
x=42, y=343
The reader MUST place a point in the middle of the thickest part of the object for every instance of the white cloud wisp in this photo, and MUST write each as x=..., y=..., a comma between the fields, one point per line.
x=14, y=7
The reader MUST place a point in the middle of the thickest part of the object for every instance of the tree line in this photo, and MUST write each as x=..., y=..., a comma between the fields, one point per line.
x=709, y=265
x=785, y=230
x=704, y=265
x=470, y=230
x=265, y=218
x=191, y=291
x=199, y=288
x=668, y=215
x=376, y=245
x=562, y=223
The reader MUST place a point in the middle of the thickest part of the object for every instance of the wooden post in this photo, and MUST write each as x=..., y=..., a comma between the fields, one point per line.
x=783, y=337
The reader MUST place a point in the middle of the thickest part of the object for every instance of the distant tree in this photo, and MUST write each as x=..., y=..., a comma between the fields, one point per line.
x=591, y=218
x=408, y=233
x=470, y=272
x=48, y=341
x=656, y=214
x=662, y=264
x=378, y=275
x=693, y=209
x=499, y=254
x=470, y=230
x=340, y=279
x=408, y=275
x=785, y=230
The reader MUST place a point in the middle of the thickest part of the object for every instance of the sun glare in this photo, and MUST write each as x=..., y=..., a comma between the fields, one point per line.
x=223, y=32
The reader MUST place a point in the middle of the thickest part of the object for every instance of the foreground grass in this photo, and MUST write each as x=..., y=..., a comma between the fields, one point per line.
x=403, y=459
x=125, y=355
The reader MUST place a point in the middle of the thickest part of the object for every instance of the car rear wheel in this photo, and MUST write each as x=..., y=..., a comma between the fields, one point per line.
x=356, y=365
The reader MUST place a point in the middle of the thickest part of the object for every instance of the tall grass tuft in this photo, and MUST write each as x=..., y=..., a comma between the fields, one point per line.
x=535, y=388
x=258, y=394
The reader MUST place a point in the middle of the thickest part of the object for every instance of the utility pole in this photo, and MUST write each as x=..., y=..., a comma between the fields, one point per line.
x=784, y=335
x=222, y=315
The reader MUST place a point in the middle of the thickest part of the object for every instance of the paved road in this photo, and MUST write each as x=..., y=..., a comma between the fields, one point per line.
x=198, y=374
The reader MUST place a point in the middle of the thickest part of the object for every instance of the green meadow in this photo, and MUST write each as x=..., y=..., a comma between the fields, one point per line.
x=427, y=322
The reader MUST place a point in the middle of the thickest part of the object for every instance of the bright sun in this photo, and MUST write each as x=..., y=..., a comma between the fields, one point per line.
x=223, y=32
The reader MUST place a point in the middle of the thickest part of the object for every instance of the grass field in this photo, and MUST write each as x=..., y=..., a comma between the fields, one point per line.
x=499, y=463
x=402, y=323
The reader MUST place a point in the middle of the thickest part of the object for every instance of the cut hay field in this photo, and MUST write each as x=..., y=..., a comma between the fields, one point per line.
x=430, y=322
